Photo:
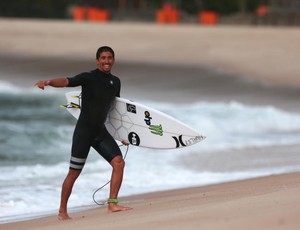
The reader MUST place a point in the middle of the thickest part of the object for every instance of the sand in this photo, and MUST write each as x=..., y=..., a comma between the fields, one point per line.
x=269, y=56
x=264, y=203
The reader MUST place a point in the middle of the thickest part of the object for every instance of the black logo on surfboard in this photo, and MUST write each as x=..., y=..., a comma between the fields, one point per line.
x=192, y=140
x=179, y=141
x=131, y=108
x=134, y=139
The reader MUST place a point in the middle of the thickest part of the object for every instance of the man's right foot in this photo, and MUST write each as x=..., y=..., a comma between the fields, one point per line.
x=63, y=216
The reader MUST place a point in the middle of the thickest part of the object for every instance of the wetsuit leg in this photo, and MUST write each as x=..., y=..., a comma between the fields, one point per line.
x=82, y=139
x=106, y=146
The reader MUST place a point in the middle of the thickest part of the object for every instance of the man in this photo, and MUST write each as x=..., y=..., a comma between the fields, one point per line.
x=99, y=89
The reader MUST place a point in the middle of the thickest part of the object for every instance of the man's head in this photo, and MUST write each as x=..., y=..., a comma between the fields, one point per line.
x=105, y=49
x=105, y=58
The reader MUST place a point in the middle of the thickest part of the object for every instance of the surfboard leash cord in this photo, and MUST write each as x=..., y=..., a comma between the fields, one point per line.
x=97, y=190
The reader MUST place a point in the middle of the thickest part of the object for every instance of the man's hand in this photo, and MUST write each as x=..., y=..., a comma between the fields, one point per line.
x=125, y=142
x=57, y=82
x=42, y=84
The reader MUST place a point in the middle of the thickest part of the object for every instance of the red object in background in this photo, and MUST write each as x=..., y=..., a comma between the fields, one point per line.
x=79, y=13
x=96, y=14
x=208, y=18
x=174, y=16
x=168, y=14
x=161, y=17
x=93, y=14
x=168, y=6
x=262, y=10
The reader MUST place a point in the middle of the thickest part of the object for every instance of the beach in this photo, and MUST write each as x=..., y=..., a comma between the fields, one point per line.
x=264, y=203
x=255, y=66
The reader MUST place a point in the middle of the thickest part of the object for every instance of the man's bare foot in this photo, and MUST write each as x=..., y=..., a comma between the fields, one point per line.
x=112, y=207
x=63, y=216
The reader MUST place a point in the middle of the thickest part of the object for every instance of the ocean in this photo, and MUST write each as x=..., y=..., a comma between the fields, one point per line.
x=36, y=134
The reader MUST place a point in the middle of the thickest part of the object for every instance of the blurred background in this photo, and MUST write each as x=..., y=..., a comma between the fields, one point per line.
x=246, y=12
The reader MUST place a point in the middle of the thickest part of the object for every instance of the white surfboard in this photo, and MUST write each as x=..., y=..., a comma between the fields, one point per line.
x=141, y=125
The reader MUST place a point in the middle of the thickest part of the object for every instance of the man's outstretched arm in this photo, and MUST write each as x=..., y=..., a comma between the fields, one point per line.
x=57, y=82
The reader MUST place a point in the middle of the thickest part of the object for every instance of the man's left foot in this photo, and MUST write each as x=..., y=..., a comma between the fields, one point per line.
x=112, y=207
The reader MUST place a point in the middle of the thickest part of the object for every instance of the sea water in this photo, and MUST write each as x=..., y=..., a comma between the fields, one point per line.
x=36, y=135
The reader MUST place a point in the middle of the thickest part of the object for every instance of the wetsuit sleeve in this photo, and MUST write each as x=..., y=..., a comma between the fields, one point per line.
x=77, y=80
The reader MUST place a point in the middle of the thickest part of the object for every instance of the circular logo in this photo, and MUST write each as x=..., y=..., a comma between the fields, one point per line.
x=134, y=139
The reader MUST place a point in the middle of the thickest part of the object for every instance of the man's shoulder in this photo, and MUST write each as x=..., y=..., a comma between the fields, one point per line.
x=82, y=78
x=115, y=77
x=86, y=73
x=90, y=73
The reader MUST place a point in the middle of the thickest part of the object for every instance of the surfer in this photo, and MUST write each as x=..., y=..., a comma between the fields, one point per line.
x=99, y=88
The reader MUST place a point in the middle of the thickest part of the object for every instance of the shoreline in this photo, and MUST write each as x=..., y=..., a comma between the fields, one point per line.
x=243, y=204
x=157, y=82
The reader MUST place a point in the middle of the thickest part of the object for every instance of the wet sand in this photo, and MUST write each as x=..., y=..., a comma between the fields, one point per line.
x=264, y=203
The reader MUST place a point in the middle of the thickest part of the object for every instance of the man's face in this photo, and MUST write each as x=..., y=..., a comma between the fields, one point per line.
x=105, y=62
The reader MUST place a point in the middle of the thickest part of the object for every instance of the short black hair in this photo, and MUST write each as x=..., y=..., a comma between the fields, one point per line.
x=105, y=49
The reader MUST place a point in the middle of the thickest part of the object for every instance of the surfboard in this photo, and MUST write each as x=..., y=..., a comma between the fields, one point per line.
x=141, y=125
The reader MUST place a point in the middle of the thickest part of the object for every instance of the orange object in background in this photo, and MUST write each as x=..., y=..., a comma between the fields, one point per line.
x=161, y=17
x=208, y=18
x=79, y=13
x=168, y=14
x=93, y=14
x=104, y=15
x=96, y=14
x=262, y=10
x=173, y=16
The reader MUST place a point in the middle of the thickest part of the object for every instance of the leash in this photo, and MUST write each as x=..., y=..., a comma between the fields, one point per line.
x=97, y=190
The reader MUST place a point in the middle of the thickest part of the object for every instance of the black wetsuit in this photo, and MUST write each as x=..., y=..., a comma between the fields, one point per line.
x=98, y=92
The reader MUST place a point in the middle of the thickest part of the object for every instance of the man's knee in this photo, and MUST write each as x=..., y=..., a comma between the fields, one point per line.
x=118, y=162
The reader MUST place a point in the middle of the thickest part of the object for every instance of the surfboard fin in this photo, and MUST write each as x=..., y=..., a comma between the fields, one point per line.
x=70, y=106
x=75, y=96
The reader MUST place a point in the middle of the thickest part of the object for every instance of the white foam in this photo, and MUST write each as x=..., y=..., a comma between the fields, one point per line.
x=6, y=87
x=9, y=88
